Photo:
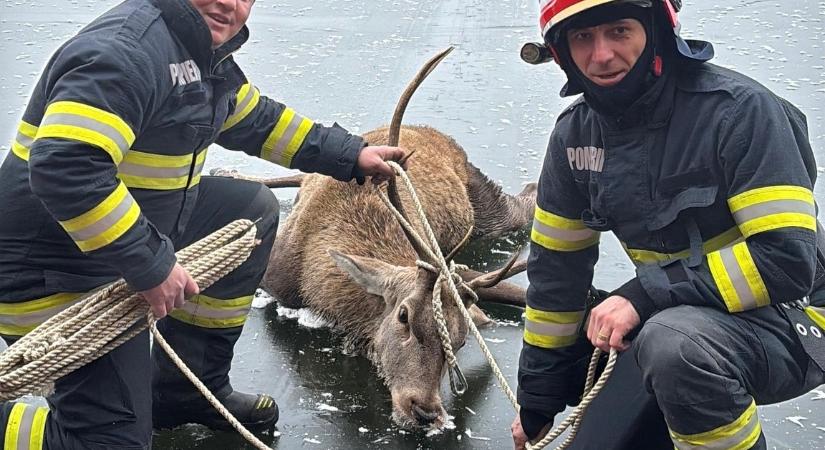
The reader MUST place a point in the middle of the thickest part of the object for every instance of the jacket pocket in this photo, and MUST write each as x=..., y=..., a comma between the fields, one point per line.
x=677, y=193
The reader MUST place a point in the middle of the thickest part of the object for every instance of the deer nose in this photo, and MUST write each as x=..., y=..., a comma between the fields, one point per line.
x=422, y=416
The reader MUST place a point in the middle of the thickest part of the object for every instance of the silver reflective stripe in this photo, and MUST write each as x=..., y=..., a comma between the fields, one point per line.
x=34, y=318
x=734, y=441
x=24, y=140
x=137, y=170
x=562, y=234
x=89, y=124
x=24, y=431
x=198, y=168
x=200, y=310
x=250, y=94
x=773, y=207
x=105, y=223
x=289, y=133
x=551, y=329
x=737, y=278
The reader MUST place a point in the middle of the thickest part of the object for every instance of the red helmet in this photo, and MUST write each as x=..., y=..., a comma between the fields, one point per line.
x=555, y=12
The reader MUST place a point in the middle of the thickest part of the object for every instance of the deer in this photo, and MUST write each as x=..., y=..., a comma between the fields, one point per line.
x=342, y=254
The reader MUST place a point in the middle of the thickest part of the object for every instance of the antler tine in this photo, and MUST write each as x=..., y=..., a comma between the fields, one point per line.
x=460, y=245
x=493, y=278
x=395, y=124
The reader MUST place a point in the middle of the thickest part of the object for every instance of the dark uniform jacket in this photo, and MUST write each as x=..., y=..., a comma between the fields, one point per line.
x=108, y=156
x=707, y=182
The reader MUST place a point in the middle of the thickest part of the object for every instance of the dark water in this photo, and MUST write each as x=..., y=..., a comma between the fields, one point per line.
x=348, y=61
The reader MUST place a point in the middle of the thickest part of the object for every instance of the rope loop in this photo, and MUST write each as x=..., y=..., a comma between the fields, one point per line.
x=110, y=316
x=457, y=381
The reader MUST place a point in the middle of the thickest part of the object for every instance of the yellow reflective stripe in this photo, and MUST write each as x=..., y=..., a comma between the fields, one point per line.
x=740, y=434
x=217, y=303
x=723, y=282
x=718, y=242
x=26, y=133
x=17, y=330
x=27, y=129
x=104, y=223
x=37, y=304
x=769, y=193
x=772, y=207
x=25, y=427
x=738, y=279
x=548, y=329
x=18, y=319
x=155, y=160
x=199, y=161
x=13, y=426
x=817, y=315
x=774, y=221
x=286, y=138
x=144, y=170
x=558, y=233
x=38, y=429
x=76, y=121
x=245, y=102
x=209, y=312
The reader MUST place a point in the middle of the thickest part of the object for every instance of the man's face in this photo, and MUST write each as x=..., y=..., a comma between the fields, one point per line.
x=224, y=17
x=605, y=53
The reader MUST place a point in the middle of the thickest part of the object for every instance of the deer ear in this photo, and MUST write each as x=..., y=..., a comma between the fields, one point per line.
x=369, y=273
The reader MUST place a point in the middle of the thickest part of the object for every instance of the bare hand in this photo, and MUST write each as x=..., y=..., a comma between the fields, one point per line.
x=610, y=322
x=519, y=436
x=372, y=162
x=172, y=293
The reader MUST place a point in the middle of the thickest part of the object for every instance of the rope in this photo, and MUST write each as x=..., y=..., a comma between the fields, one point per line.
x=107, y=318
x=448, y=273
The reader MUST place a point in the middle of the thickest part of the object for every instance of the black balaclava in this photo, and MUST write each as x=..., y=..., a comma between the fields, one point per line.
x=612, y=100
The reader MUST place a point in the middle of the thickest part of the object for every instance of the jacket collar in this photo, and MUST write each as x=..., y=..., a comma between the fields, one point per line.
x=189, y=27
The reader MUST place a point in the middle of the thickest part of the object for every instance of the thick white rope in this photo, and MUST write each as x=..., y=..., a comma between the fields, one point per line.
x=448, y=273
x=111, y=316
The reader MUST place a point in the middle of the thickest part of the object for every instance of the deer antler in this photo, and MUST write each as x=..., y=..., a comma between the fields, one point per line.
x=429, y=66
x=491, y=279
x=394, y=135
x=280, y=182
x=460, y=245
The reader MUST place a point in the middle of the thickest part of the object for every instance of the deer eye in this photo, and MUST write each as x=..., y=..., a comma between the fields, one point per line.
x=402, y=314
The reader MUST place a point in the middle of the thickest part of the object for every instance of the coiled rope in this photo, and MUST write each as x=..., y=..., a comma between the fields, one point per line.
x=111, y=316
x=448, y=273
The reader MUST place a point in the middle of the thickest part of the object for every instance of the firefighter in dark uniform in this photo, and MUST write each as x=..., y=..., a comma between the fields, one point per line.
x=706, y=178
x=104, y=181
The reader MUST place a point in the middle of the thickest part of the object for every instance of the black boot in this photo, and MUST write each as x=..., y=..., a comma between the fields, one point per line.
x=254, y=411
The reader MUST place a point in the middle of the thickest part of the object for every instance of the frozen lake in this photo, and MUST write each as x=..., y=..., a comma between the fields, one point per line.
x=348, y=61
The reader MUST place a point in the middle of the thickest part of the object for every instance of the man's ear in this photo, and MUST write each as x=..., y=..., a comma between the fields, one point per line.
x=369, y=273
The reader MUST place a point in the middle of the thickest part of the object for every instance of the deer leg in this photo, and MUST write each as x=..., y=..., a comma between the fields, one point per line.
x=480, y=319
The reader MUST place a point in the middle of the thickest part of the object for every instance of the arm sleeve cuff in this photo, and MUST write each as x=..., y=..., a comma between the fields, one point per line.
x=143, y=277
x=533, y=422
x=638, y=297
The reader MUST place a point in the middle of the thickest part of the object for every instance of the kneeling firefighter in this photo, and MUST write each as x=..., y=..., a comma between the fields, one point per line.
x=706, y=178
x=104, y=182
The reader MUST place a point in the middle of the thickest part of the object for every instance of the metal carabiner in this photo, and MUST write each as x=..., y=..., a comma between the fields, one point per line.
x=458, y=384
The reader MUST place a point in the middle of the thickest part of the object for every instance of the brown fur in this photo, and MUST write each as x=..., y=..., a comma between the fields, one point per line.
x=353, y=221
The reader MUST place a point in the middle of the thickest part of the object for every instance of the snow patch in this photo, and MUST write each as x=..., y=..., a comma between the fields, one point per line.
x=304, y=316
